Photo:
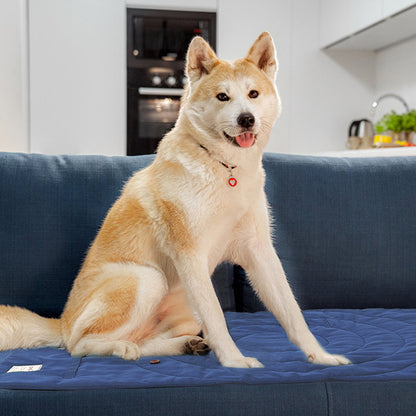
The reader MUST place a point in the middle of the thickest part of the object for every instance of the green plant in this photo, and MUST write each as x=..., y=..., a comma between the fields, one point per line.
x=397, y=122
x=409, y=121
x=390, y=121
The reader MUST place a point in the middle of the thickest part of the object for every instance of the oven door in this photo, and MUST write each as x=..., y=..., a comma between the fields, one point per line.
x=152, y=113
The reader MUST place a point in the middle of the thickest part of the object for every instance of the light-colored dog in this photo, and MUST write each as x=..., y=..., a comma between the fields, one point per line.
x=145, y=288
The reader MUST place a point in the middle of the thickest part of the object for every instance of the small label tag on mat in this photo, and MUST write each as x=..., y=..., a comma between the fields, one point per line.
x=25, y=368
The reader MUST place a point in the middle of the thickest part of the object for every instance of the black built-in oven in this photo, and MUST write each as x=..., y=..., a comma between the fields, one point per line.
x=157, y=42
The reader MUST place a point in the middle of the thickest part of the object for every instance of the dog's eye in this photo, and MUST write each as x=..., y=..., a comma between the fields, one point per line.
x=223, y=97
x=253, y=94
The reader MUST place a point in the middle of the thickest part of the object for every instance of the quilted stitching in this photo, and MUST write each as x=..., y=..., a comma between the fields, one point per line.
x=381, y=344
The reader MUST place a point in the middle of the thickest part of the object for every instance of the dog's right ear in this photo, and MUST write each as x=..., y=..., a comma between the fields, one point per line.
x=200, y=59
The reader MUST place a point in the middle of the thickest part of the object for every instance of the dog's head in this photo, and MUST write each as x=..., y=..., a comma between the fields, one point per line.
x=233, y=103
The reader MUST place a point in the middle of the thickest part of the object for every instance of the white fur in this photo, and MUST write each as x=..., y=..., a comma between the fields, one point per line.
x=20, y=328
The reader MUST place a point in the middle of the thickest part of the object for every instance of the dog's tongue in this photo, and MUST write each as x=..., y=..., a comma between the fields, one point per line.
x=245, y=140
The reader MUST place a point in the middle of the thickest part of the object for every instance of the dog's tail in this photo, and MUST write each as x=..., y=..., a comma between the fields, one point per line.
x=20, y=328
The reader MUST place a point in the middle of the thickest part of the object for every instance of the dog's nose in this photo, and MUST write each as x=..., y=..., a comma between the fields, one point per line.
x=246, y=120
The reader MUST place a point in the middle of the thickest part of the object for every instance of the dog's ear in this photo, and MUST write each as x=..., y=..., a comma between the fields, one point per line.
x=263, y=54
x=200, y=59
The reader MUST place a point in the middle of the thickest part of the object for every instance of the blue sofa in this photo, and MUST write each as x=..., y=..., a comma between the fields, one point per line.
x=346, y=235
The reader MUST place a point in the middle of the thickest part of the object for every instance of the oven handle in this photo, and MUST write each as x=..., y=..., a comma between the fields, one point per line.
x=177, y=92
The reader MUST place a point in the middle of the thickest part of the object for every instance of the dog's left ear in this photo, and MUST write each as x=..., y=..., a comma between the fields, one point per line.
x=263, y=54
x=200, y=59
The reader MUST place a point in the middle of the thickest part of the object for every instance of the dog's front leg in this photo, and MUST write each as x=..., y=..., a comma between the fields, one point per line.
x=253, y=250
x=196, y=280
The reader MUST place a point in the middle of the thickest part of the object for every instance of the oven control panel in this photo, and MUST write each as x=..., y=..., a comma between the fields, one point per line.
x=159, y=77
x=165, y=77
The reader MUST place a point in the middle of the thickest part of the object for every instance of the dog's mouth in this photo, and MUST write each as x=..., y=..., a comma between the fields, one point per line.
x=245, y=140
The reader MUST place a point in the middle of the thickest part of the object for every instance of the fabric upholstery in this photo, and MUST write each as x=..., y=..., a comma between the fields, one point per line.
x=380, y=343
x=343, y=229
x=51, y=208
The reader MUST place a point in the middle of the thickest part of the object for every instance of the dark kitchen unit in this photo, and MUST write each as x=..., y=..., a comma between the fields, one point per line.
x=157, y=41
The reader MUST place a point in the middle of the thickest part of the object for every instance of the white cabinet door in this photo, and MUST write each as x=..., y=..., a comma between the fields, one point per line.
x=342, y=18
x=13, y=77
x=365, y=13
x=77, y=76
x=334, y=21
x=391, y=7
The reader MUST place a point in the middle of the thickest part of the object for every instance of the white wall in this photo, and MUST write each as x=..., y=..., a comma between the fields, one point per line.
x=13, y=76
x=395, y=72
x=328, y=90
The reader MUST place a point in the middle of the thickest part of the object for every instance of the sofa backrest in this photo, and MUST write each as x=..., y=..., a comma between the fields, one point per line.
x=51, y=208
x=343, y=228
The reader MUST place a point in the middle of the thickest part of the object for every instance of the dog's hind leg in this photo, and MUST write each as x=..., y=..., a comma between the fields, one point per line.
x=177, y=329
x=125, y=299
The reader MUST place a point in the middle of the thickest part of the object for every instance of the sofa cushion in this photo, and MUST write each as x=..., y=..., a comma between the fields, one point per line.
x=344, y=230
x=380, y=343
x=382, y=380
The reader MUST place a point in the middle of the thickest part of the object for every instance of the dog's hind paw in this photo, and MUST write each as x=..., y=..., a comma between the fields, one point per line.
x=196, y=346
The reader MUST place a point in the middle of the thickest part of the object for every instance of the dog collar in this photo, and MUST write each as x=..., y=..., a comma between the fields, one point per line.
x=231, y=181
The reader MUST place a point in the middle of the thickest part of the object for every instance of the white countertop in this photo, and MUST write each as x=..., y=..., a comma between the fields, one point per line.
x=394, y=151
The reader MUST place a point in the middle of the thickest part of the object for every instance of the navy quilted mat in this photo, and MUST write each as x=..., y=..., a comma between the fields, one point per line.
x=381, y=344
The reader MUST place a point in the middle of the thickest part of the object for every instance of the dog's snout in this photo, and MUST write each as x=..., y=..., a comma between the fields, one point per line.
x=246, y=120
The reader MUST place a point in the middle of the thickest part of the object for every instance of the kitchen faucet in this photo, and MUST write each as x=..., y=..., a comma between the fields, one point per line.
x=389, y=95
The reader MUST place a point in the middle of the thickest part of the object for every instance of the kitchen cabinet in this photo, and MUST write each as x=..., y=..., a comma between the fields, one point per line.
x=369, y=25
x=77, y=76
x=13, y=78
x=391, y=7
x=340, y=19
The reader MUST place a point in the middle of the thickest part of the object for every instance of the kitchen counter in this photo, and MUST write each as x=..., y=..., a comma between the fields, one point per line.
x=393, y=151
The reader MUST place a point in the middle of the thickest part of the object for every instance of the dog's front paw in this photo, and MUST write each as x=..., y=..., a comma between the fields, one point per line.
x=328, y=359
x=242, y=362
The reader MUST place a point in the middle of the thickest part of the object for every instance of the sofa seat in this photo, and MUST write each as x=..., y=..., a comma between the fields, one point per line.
x=380, y=342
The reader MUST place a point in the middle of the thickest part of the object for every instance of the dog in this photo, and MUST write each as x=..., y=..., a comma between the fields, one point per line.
x=145, y=287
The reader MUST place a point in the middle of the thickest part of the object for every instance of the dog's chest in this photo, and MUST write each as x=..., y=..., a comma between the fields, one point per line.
x=216, y=210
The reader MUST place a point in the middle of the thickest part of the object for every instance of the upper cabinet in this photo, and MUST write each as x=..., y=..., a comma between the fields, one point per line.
x=367, y=25
x=391, y=7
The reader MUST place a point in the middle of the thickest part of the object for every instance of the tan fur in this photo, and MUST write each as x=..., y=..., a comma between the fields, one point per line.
x=178, y=229
x=118, y=301
x=144, y=287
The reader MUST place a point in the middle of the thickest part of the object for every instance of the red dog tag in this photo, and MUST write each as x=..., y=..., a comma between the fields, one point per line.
x=232, y=181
